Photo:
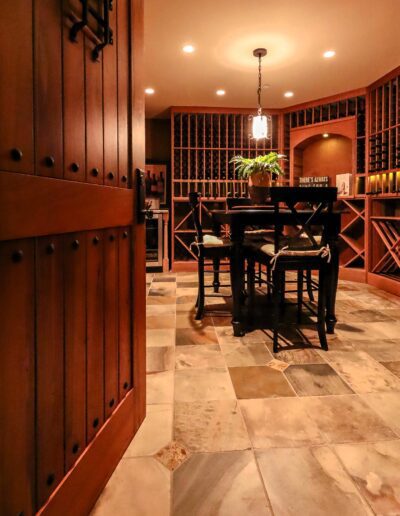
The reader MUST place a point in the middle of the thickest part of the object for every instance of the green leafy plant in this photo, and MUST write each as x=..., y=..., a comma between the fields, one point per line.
x=266, y=164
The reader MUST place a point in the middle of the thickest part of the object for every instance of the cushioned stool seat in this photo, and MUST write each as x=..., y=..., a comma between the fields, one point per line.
x=215, y=241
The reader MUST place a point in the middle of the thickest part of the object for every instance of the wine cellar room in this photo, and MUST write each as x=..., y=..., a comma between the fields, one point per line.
x=350, y=140
x=199, y=258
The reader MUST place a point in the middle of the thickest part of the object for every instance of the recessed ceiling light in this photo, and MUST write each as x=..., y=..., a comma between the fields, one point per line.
x=221, y=93
x=188, y=49
x=325, y=135
x=329, y=53
x=288, y=94
x=149, y=91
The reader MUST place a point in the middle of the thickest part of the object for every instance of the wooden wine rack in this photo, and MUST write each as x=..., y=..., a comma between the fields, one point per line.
x=203, y=143
x=388, y=230
x=383, y=185
x=354, y=106
x=352, y=237
x=384, y=140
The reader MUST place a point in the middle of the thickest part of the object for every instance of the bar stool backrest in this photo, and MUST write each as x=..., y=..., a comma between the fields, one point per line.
x=194, y=201
x=320, y=198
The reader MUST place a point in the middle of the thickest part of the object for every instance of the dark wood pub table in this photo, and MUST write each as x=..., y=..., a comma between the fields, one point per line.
x=239, y=219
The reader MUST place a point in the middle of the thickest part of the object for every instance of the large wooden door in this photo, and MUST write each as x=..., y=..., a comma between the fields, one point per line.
x=72, y=260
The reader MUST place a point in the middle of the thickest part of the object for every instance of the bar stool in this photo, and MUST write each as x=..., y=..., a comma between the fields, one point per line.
x=267, y=234
x=305, y=251
x=208, y=247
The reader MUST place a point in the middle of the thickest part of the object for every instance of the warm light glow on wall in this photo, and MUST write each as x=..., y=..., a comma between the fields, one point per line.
x=188, y=49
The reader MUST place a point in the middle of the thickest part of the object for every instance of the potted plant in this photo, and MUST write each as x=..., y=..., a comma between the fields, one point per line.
x=260, y=172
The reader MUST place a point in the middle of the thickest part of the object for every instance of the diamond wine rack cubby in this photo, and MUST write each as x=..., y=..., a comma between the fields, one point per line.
x=388, y=230
x=385, y=238
x=352, y=236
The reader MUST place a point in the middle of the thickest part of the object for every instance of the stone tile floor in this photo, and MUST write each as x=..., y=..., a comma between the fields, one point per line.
x=232, y=429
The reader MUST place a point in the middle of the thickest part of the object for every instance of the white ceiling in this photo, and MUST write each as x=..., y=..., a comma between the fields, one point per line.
x=364, y=33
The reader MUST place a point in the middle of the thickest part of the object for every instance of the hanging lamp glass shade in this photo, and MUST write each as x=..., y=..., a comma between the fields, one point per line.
x=260, y=127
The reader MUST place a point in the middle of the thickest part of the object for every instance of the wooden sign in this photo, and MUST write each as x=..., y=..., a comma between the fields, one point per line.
x=314, y=181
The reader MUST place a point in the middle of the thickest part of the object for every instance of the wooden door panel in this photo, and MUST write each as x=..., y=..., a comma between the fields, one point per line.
x=125, y=311
x=49, y=366
x=58, y=206
x=17, y=377
x=16, y=91
x=75, y=346
x=73, y=97
x=94, y=115
x=110, y=107
x=48, y=89
x=72, y=368
x=123, y=88
x=110, y=321
x=95, y=332
x=82, y=487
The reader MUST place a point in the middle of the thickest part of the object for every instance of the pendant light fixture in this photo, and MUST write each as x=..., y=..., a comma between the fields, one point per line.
x=260, y=123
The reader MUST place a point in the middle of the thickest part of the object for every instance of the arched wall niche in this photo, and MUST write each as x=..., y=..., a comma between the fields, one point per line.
x=313, y=155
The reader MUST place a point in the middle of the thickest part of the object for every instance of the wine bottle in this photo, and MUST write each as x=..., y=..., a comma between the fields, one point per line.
x=160, y=185
x=153, y=188
x=147, y=183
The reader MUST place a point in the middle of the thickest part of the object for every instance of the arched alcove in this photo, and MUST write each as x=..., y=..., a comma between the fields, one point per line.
x=324, y=149
x=320, y=155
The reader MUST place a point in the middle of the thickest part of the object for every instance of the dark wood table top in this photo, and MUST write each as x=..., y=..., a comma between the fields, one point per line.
x=252, y=216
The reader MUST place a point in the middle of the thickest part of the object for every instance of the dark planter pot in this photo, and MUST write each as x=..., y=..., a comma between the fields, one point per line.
x=259, y=194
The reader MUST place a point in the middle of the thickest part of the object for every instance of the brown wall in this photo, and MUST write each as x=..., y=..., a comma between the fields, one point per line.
x=158, y=140
x=158, y=147
x=327, y=157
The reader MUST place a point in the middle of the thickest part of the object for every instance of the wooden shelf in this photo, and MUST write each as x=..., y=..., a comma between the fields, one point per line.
x=234, y=149
x=385, y=218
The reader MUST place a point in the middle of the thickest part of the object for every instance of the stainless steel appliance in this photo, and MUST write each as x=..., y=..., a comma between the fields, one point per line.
x=154, y=241
x=157, y=240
